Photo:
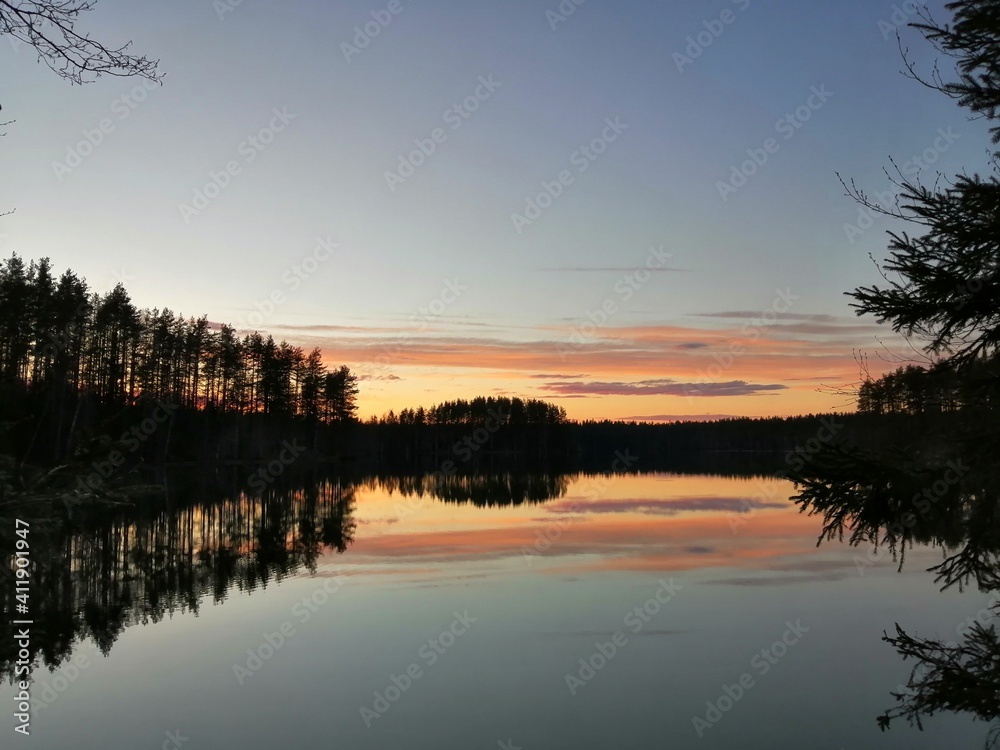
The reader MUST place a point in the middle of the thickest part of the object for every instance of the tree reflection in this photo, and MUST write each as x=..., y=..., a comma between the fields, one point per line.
x=104, y=569
x=482, y=489
x=942, y=491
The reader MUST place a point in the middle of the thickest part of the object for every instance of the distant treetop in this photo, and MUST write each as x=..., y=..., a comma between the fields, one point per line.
x=504, y=410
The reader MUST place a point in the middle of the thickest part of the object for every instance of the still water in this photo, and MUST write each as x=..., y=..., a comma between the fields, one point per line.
x=534, y=612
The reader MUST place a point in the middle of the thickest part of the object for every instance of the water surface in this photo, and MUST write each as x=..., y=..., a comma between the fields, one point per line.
x=607, y=611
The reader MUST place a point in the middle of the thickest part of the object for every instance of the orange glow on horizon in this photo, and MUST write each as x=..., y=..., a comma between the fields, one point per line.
x=782, y=369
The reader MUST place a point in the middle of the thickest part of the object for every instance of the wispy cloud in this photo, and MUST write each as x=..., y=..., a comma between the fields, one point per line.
x=611, y=269
x=663, y=507
x=661, y=387
x=780, y=580
x=801, y=324
x=678, y=417
x=751, y=314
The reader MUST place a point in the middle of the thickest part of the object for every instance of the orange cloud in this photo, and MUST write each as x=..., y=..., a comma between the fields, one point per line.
x=624, y=368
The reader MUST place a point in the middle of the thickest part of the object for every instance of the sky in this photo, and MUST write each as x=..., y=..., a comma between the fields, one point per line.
x=631, y=209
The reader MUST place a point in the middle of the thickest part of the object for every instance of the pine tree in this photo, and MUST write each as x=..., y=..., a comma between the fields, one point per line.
x=948, y=286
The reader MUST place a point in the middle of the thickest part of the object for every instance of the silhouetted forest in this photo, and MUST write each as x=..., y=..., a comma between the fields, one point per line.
x=83, y=375
x=501, y=409
x=75, y=364
x=932, y=390
x=767, y=444
x=86, y=378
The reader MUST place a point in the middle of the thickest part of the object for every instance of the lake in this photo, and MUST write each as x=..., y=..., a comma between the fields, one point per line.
x=497, y=611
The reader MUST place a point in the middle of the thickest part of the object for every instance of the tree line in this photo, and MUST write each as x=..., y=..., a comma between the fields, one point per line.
x=931, y=390
x=60, y=339
x=477, y=411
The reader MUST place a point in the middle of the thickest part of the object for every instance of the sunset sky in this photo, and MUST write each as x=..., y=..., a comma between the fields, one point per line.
x=459, y=204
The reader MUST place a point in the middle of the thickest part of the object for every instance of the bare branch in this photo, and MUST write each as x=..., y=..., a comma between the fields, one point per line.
x=49, y=26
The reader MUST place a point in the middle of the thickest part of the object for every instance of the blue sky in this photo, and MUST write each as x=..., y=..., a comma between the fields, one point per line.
x=400, y=247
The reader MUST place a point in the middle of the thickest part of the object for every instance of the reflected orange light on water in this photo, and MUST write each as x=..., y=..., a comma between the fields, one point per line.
x=648, y=522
